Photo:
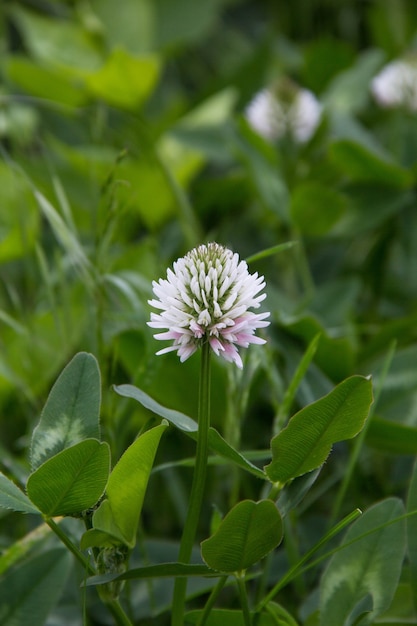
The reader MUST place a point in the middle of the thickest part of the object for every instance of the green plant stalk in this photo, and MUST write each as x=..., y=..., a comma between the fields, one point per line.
x=71, y=546
x=240, y=579
x=114, y=607
x=359, y=441
x=297, y=568
x=118, y=613
x=284, y=410
x=197, y=488
x=211, y=600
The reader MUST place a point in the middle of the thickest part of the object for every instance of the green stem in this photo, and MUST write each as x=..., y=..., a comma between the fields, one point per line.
x=114, y=607
x=70, y=545
x=118, y=613
x=197, y=488
x=243, y=599
x=295, y=569
x=212, y=599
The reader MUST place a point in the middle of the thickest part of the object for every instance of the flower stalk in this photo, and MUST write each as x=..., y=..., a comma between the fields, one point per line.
x=198, y=485
x=204, y=303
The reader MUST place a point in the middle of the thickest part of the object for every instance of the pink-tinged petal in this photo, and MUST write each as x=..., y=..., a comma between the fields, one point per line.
x=186, y=351
x=231, y=354
x=165, y=350
x=216, y=345
x=207, y=295
x=168, y=335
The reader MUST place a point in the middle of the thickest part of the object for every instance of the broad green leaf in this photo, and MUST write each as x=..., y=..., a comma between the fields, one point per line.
x=118, y=515
x=389, y=436
x=124, y=81
x=106, y=532
x=248, y=533
x=11, y=497
x=370, y=207
x=402, y=609
x=29, y=591
x=360, y=580
x=363, y=165
x=131, y=29
x=280, y=615
x=307, y=440
x=161, y=570
x=349, y=90
x=71, y=481
x=57, y=42
x=315, y=208
x=71, y=412
x=412, y=531
x=45, y=82
x=189, y=427
x=334, y=355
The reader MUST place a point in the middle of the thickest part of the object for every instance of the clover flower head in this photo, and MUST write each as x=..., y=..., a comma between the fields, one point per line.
x=284, y=110
x=396, y=85
x=206, y=296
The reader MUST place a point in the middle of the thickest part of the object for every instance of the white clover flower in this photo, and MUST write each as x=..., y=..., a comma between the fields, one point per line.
x=396, y=85
x=287, y=109
x=206, y=297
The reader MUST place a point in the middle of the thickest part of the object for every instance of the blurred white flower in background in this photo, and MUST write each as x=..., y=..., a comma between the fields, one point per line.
x=396, y=85
x=284, y=110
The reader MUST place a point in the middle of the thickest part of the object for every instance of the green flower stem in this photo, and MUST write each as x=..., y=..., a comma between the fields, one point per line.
x=240, y=579
x=197, y=488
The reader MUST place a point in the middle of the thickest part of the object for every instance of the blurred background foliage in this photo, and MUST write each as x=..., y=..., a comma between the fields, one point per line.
x=124, y=142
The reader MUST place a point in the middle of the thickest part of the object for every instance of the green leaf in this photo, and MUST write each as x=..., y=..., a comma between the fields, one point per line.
x=307, y=440
x=349, y=90
x=294, y=492
x=181, y=421
x=125, y=81
x=334, y=355
x=57, y=42
x=392, y=436
x=71, y=412
x=71, y=481
x=361, y=579
x=315, y=208
x=190, y=427
x=11, y=497
x=118, y=515
x=162, y=570
x=248, y=533
x=412, y=531
x=219, y=445
x=44, y=82
x=29, y=591
x=363, y=165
